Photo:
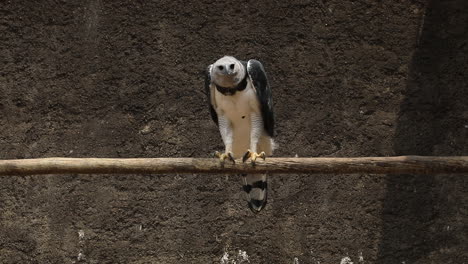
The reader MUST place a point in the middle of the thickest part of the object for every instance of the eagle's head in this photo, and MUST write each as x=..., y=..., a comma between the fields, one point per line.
x=227, y=72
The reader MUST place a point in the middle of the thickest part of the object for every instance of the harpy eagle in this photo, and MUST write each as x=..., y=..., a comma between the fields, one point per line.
x=241, y=105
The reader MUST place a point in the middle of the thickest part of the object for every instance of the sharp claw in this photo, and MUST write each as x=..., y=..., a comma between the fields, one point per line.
x=231, y=158
x=247, y=155
x=223, y=156
x=262, y=155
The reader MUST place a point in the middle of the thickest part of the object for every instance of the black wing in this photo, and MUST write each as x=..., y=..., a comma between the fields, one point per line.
x=214, y=116
x=259, y=78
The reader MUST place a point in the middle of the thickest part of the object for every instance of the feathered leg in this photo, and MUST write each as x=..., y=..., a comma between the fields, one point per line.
x=255, y=133
x=225, y=129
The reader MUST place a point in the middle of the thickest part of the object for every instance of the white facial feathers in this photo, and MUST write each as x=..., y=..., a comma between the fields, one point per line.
x=227, y=72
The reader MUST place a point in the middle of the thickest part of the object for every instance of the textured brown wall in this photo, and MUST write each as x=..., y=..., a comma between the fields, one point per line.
x=123, y=79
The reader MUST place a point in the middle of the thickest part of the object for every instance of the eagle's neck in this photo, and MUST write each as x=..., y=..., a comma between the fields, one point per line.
x=232, y=90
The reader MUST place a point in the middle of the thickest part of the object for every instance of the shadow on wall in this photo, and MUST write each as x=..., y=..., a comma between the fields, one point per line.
x=433, y=120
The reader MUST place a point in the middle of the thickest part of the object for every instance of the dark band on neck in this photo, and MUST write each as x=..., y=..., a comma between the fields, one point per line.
x=232, y=90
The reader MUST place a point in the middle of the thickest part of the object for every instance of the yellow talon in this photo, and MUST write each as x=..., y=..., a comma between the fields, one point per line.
x=223, y=156
x=253, y=156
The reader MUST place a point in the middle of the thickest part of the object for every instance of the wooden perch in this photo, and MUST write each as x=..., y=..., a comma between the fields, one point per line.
x=371, y=165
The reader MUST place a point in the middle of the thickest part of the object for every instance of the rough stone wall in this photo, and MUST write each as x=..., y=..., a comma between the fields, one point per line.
x=124, y=79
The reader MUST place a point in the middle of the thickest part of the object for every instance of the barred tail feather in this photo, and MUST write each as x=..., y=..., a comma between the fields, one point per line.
x=255, y=185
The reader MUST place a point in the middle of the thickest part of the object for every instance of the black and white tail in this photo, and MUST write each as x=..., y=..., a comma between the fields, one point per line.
x=255, y=185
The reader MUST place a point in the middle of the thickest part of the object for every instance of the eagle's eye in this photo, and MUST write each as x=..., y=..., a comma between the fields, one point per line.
x=231, y=66
x=220, y=68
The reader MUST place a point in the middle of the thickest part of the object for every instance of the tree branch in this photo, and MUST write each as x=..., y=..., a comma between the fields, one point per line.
x=370, y=165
